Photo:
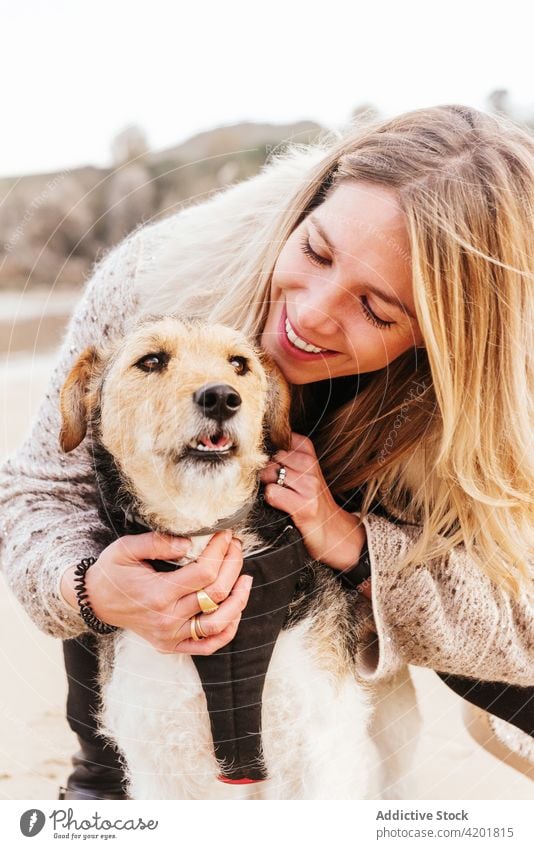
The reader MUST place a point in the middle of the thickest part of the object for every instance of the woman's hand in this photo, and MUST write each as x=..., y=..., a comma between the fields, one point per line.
x=330, y=533
x=126, y=591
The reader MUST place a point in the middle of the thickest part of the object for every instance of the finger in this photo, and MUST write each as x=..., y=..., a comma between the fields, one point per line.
x=284, y=498
x=228, y=614
x=302, y=443
x=229, y=572
x=295, y=479
x=270, y=471
x=205, y=570
x=210, y=645
x=151, y=546
x=298, y=461
x=186, y=606
x=229, y=610
x=270, y=474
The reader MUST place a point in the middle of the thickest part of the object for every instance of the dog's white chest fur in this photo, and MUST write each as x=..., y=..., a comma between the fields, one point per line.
x=314, y=726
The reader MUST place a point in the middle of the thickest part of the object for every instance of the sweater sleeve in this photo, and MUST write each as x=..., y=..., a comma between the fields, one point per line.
x=48, y=500
x=446, y=615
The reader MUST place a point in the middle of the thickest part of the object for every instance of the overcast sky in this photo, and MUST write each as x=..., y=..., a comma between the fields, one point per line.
x=74, y=73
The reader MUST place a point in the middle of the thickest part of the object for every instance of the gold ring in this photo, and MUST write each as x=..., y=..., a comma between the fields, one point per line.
x=193, y=629
x=198, y=628
x=206, y=604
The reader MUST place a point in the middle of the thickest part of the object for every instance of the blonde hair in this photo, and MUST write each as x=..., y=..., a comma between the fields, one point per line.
x=461, y=408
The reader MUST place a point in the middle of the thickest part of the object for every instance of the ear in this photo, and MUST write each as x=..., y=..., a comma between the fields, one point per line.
x=276, y=420
x=74, y=400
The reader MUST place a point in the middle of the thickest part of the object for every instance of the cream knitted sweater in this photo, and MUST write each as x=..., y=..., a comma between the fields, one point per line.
x=447, y=616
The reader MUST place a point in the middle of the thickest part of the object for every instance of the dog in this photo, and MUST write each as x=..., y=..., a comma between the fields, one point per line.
x=181, y=417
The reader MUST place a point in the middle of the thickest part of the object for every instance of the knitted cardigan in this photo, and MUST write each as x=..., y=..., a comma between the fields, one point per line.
x=447, y=615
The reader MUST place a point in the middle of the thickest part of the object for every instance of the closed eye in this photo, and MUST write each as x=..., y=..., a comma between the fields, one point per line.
x=315, y=257
x=372, y=317
x=323, y=261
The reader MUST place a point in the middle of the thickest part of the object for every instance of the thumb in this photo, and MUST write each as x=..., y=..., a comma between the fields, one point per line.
x=151, y=546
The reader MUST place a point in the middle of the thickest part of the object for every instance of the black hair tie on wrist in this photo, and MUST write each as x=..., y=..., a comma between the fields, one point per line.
x=86, y=612
x=352, y=577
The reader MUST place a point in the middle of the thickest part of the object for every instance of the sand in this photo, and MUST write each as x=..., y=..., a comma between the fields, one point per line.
x=36, y=742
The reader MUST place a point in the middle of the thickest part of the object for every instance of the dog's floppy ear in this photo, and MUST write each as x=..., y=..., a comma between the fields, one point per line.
x=277, y=422
x=74, y=399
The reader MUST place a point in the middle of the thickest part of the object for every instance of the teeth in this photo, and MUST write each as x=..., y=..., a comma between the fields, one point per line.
x=300, y=343
x=201, y=447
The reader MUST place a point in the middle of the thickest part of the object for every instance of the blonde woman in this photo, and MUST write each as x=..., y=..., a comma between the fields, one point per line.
x=389, y=272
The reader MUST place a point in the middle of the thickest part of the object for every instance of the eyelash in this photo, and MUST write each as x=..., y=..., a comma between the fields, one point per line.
x=322, y=262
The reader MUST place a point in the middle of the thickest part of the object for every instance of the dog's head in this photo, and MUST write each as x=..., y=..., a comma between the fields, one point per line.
x=186, y=410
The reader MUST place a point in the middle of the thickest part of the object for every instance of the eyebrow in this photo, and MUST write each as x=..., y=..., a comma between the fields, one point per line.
x=389, y=299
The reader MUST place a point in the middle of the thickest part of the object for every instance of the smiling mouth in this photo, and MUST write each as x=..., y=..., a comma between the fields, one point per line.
x=207, y=447
x=296, y=345
x=300, y=343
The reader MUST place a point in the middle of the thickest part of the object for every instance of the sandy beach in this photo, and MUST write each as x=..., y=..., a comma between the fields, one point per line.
x=35, y=740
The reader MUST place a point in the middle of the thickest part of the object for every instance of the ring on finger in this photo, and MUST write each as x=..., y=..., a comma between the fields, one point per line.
x=206, y=604
x=199, y=629
x=195, y=628
x=280, y=480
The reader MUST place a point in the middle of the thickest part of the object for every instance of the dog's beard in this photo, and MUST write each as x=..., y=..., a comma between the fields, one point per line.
x=183, y=489
x=177, y=496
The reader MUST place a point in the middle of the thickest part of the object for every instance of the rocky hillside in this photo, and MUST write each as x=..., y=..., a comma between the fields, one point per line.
x=54, y=226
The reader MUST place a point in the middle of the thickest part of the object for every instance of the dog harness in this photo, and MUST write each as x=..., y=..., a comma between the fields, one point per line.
x=233, y=677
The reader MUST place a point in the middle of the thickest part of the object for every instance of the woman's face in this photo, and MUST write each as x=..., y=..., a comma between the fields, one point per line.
x=342, y=284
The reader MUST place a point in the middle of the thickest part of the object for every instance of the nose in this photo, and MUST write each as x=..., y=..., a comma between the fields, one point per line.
x=217, y=401
x=320, y=310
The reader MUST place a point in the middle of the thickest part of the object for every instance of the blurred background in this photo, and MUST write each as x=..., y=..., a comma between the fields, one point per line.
x=117, y=113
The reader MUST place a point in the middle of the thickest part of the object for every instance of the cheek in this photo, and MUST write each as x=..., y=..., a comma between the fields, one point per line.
x=372, y=349
x=128, y=416
x=251, y=415
x=393, y=348
x=119, y=427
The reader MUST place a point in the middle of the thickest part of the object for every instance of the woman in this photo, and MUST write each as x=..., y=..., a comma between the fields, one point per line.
x=389, y=274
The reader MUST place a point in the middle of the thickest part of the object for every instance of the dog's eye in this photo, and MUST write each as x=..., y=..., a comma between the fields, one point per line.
x=240, y=364
x=152, y=362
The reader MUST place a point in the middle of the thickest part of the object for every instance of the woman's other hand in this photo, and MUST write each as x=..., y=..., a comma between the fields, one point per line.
x=330, y=533
x=124, y=590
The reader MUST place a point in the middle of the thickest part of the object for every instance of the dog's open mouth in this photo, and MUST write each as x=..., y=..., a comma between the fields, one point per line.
x=205, y=446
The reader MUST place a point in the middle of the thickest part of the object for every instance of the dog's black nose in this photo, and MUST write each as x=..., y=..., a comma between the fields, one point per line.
x=217, y=400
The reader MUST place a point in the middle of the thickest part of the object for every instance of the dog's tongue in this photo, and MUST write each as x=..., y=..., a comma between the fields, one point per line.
x=219, y=441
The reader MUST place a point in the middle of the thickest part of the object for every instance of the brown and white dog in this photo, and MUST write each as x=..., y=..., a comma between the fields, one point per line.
x=179, y=415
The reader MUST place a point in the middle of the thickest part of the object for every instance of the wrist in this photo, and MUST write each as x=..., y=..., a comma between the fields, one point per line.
x=66, y=588
x=84, y=601
x=352, y=539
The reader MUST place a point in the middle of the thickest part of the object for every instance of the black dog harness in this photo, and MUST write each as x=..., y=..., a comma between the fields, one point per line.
x=511, y=703
x=234, y=676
